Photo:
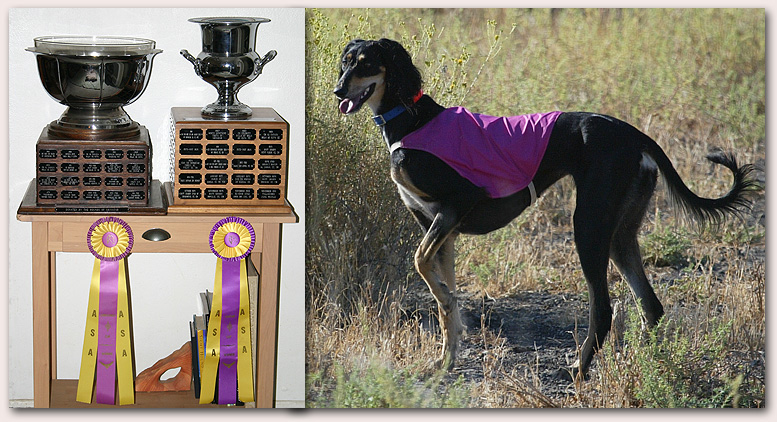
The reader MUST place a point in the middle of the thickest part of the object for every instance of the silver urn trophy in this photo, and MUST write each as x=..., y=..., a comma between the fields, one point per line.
x=228, y=61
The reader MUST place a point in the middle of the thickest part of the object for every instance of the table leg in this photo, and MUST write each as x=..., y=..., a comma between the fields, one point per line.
x=268, y=315
x=41, y=314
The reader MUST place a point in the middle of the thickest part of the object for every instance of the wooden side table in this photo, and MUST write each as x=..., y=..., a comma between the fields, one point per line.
x=54, y=232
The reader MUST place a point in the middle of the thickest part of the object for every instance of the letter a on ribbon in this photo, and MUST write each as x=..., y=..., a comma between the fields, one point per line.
x=107, y=338
x=228, y=346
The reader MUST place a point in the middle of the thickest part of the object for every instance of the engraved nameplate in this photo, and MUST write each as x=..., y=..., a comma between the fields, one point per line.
x=270, y=164
x=92, y=181
x=189, y=193
x=215, y=193
x=242, y=164
x=136, y=154
x=216, y=164
x=190, y=134
x=190, y=149
x=47, y=153
x=242, y=193
x=244, y=149
x=270, y=149
x=93, y=154
x=216, y=179
x=69, y=167
x=136, y=181
x=217, y=134
x=271, y=134
x=114, y=168
x=244, y=134
x=47, y=167
x=114, y=195
x=190, y=164
x=217, y=149
x=92, y=168
x=69, y=194
x=70, y=181
x=269, y=179
x=114, y=154
x=242, y=179
x=114, y=181
x=47, y=181
x=190, y=179
x=268, y=193
x=69, y=154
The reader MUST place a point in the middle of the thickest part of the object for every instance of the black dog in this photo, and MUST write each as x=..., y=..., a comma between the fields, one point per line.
x=613, y=164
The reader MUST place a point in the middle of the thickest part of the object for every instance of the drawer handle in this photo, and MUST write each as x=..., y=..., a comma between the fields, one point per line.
x=156, y=235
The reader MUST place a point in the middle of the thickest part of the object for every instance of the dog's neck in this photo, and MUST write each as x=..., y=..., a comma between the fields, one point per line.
x=415, y=116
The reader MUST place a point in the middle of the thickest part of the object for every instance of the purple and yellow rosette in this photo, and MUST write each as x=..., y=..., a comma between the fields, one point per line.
x=107, y=338
x=228, y=344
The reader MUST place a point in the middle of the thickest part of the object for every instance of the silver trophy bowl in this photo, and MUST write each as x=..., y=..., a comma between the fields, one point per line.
x=95, y=77
x=228, y=61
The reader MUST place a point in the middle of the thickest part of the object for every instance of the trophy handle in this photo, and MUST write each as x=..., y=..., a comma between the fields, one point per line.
x=195, y=62
x=261, y=61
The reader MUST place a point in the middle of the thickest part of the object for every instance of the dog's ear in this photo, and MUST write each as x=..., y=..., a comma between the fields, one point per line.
x=402, y=77
x=351, y=44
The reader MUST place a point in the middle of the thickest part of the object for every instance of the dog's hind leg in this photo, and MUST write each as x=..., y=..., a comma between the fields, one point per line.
x=624, y=249
x=434, y=260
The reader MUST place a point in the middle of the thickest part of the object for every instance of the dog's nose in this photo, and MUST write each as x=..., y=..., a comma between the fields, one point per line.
x=340, y=92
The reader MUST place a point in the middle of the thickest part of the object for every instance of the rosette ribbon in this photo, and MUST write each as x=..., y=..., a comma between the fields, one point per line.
x=228, y=344
x=107, y=338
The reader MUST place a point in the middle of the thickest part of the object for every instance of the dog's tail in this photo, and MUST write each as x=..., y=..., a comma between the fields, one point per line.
x=707, y=210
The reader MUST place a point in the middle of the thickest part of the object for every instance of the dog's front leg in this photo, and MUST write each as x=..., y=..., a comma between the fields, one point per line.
x=434, y=261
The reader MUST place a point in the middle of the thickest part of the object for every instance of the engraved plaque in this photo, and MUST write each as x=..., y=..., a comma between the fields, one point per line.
x=189, y=193
x=136, y=168
x=47, y=153
x=217, y=134
x=136, y=154
x=190, y=164
x=136, y=195
x=190, y=178
x=217, y=149
x=242, y=164
x=136, y=181
x=242, y=179
x=114, y=154
x=92, y=168
x=92, y=195
x=47, y=167
x=69, y=195
x=69, y=167
x=114, y=167
x=70, y=181
x=216, y=164
x=271, y=134
x=242, y=193
x=269, y=179
x=270, y=164
x=270, y=149
x=268, y=193
x=93, y=154
x=215, y=193
x=190, y=149
x=69, y=154
x=92, y=181
x=47, y=181
x=216, y=179
x=47, y=194
x=244, y=134
x=114, y=195
x=190, y=134
x=114, y=181
x=244, y=149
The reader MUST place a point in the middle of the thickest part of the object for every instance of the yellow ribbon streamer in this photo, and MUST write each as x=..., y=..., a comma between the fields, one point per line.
x=208, y=383
x=125, y=374
x=89, y=353
x=245, y=384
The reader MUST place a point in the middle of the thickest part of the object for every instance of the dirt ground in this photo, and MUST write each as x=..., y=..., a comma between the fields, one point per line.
x=540, y=329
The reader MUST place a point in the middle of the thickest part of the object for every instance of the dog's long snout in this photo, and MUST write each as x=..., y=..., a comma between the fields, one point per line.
x=340, y=91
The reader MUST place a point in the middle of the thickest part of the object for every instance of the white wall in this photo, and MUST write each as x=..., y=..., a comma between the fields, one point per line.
x=164, y=286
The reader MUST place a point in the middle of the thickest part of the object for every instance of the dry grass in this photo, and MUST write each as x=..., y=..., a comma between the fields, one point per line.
x=691, y=79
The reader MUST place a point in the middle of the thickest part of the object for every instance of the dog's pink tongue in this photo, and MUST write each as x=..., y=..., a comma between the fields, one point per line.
x=346, y=106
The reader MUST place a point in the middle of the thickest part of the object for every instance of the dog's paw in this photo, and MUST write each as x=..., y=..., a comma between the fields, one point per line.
x=568, y=374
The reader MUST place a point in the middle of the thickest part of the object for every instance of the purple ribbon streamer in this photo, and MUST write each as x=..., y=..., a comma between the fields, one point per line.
x=230, y=308
x=106, y=333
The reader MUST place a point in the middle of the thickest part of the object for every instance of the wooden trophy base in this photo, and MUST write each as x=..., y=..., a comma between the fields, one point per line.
x=239, y=163
x=93, y=173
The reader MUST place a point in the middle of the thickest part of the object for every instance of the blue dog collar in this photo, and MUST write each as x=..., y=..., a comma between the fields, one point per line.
x=382, y=119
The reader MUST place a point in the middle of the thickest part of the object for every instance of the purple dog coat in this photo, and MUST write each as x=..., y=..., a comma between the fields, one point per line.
x=498, y=154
